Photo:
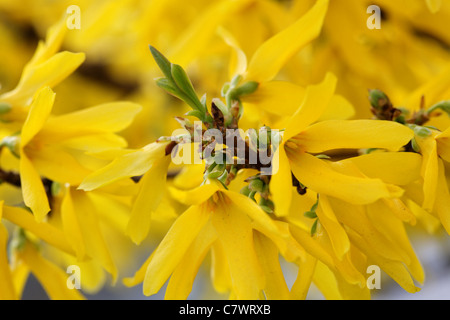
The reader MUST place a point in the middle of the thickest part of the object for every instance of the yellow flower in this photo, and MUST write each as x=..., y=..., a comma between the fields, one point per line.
x=303, y=138
x=236, y=230
x=24, y=256
x=46, y=68
x=150, y=162
x=49, y=145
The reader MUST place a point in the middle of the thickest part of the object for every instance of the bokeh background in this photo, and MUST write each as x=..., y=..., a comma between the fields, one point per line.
x=411, y=49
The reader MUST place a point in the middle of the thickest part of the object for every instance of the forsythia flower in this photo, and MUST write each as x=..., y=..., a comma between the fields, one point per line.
x=330, y=179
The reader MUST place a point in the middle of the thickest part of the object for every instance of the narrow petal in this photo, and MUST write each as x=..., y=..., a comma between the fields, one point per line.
x=354, y=134
x=250, y=208
x=128, y=165
x=320, y=177
x=336, y=232
x=428, y=149
x=182, y=279
x=442, y=198
x=276, y=287
x=92, y=235
x=315, y=102
x=276, y=51
x=108, y=117
x=399, y=168
x=173, y=247
x=33, y=191
x=194, y=196
x=53, y=279
x=7, y=291
x=356, y=219
x=281, y=183
x=285, y=95
x=235, y=234
x=238, y=61
x=301, y=286
x=139, y=275
x=43, y=230
x=392, y=228
x=443, y=145
x=195, y=38
x=71, y=226
x=326, y=282
x=338, y=109
x=151, y=192
x=39, y=112
x=48, y=73
x=220, y=270
x=395, y=269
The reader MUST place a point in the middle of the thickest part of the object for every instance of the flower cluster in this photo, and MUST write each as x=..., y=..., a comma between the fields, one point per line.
x=275, y=133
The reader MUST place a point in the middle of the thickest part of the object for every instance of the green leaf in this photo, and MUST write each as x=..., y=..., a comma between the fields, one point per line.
x=196, y=113
x=310, y=214
x=184, y=84
x=314, y=227
x=162, y=62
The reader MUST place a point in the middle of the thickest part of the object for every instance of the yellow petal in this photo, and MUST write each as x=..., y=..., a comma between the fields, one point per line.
x=276, y=51
x=281, y=183
x=250, y=208
x=195, y=196
x=301, y=286
x=38, y=114
x=7, y=291
x=195, y=38
x=443, y=198
x=320, y=177
x=139, y=275
x=326, y=282
x=289, y=248
x=54, y=38
x=316, y=100
x=443, y=145
x=182, y=279
x=53, y=279
x=354, y=134
x=92, y=235
x=48, y=73
x=42, y=230
x=399, y=168
x=173, y=247
x=355, y=218
x=71, y=226
x=52, y=162
x=107, y=117
x=336, y=232
x=338, y=109
x=220, y=270
x=20, y=275
x=276, y=287
x=151, y=192
x=434, y=5
x=33, y=191
x=428, y=149
x=285, y=95
x=235, y=234
x=311, y=246
x=128, y=165
x=392, y=228
x=395, y=269
x=238, y=61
